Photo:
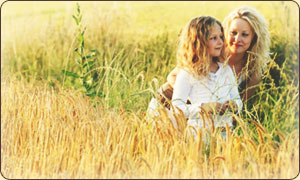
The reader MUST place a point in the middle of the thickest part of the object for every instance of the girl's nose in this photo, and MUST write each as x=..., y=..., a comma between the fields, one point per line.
x=220, y=41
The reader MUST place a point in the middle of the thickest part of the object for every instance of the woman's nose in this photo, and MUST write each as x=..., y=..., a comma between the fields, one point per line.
x=238, y=37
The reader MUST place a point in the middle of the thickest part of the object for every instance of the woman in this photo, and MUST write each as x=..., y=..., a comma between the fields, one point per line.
x=247, y=42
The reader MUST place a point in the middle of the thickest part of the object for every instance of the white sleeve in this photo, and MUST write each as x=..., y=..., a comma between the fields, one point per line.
x=234, y=92
x=181, y=92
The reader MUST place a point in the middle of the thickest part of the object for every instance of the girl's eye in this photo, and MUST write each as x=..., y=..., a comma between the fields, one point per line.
x=233, y=33
x=213, y=38
x=222, y=37
x=245, y=35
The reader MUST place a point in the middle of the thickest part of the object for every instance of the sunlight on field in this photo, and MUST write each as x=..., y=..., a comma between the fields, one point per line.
x=50, y=128
x=58, y=134
x=143, y=17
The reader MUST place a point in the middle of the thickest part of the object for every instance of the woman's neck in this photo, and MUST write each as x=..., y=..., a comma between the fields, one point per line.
x=237, y=62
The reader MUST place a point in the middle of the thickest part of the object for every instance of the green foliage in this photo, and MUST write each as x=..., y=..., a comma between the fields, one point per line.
x=125, y=55
x=275, y=105
x=87, y=76
x=118, y=71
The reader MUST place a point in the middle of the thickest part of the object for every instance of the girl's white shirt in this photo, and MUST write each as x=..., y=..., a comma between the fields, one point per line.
x=217, y=87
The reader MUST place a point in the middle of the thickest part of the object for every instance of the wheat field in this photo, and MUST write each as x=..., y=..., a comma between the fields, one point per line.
x=53, y=126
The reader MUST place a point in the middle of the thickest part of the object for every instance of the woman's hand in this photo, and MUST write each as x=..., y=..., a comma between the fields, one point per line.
x=231, y=105
x=172, y=76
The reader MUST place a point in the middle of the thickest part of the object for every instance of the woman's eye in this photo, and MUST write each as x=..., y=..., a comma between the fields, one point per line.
x=244, y=34
x=213, y=38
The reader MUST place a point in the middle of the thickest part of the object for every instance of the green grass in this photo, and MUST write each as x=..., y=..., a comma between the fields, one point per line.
x=137, y=44
x=135, y=47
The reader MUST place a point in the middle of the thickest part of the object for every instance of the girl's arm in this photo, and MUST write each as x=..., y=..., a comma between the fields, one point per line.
x=182, y=88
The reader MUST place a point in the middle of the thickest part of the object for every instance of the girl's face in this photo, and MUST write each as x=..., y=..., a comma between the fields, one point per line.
x=240, y=36
x=215, y=41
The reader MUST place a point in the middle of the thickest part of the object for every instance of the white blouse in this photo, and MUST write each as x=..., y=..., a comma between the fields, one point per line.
x=217, y=87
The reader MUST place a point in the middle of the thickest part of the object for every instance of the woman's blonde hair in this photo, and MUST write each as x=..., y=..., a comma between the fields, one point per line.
x=192, y=52
x=258, y=52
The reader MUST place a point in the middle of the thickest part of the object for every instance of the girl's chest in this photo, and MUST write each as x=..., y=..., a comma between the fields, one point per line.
x=210, y=89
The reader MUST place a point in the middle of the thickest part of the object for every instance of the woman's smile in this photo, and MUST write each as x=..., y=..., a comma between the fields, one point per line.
x=240, y=36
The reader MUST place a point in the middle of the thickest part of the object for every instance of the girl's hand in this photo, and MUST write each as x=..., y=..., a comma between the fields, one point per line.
x=214, y=108
x=218, y=108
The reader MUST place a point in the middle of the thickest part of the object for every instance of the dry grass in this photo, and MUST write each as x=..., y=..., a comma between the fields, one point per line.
x=47, y=133
x=59, y=133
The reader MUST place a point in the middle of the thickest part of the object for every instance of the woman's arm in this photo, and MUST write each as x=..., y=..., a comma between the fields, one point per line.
x=250, y=87
x=235, y=103
x=167, y=89
x=171, y=78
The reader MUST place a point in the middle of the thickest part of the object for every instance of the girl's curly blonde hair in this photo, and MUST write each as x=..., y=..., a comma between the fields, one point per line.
x=192, y=52
x=258, y=53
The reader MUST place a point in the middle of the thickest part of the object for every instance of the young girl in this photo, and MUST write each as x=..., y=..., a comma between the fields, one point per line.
x=208, y=84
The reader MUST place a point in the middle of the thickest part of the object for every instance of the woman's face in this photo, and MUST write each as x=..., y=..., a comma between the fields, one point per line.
x=215, y=41
x=239, y=37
